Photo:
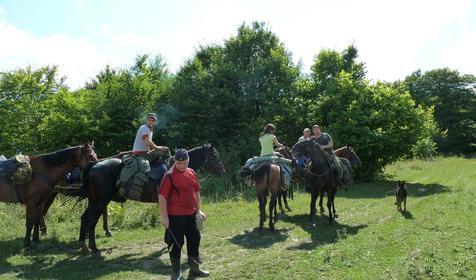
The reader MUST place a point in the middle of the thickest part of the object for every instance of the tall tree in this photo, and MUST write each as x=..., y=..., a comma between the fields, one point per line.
x=453, y=96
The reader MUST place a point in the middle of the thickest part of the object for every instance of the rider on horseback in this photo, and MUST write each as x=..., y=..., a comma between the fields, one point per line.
x=324, y=140
x=136, y=167
x=143, y=141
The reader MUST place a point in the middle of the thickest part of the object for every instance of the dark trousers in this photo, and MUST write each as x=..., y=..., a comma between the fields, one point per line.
x=182, y=227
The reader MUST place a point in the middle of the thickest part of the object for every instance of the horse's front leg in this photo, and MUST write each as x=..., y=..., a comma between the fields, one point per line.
x=285, y=194
x=330, y=202
x=312, y=212
x=280, y=197
x=321, y=198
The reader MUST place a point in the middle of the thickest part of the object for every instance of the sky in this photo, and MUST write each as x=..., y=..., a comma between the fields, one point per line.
x=81, y=37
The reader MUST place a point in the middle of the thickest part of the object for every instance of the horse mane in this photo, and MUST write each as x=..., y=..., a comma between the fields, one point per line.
x=58, y=157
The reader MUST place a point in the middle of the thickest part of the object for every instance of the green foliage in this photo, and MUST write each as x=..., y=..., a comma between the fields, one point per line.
x=381, y=121
x=23, y=96
x=424, y=149
x=226, y=94
x=453, y=97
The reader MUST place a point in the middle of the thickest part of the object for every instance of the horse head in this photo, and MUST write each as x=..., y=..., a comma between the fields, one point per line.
x=305, y=147
x=349, y=153
x=86, y=154
x=286, y=152
x=213, y=162
x=206, y=156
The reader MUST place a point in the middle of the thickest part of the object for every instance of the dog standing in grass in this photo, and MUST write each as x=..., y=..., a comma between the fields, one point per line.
x=401, y=196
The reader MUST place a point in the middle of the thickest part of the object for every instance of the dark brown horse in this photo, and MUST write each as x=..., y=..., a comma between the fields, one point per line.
x=48, y=170
x=347, y=152
x=295, y=180
x=266, y=178
x=99, y=187
x=320, y=175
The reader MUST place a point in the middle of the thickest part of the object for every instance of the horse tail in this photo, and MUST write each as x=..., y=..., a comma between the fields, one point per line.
x=256, y=174
x=74, y=190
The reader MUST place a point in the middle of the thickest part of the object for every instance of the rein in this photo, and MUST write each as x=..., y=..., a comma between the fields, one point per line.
x=314, y=174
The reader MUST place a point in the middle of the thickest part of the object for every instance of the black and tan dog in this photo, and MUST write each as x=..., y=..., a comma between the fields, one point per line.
x=401, y=196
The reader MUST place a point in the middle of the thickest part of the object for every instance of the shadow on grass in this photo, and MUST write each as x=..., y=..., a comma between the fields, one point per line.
x=260, y=239
x=41, y=261
x=407, y=214
x=323, y=232
x=384, y=189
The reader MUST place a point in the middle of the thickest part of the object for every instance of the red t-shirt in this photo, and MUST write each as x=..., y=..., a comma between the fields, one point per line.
x=181, y=200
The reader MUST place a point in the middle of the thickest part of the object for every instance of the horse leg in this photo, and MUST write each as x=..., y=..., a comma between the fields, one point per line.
x=283, y=196
x=29, y=225
x=330, y=199
x=105, y=224
x=333, y=204
x=285, y=193
x=46, y=207
x=94, y=214
x=36, y=226
x=82, y=231
x=321, y=198
x=312, y=206
x=262, y=217
x=272, y=207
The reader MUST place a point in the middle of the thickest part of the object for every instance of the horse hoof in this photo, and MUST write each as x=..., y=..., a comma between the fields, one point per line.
x=95, y=253
x=272, y=229
x=108, y=234
x=336, y=216
x=289, y=209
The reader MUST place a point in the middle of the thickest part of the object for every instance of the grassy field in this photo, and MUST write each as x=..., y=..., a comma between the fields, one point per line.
x=434, y=239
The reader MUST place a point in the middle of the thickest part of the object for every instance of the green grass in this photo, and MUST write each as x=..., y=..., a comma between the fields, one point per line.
x=434, y=239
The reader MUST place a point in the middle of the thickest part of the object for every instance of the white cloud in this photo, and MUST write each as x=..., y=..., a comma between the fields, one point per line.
x=2, y=11
x=460, y=55
x=77, y=59
x=391, y=36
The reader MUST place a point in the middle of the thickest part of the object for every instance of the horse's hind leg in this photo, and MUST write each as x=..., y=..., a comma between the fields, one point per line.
x=272, y=207
x=46, y=207
x=36, y=226
x=93, y=217
x=330, y=202
x=82, y=231
x=29, y=225
x=312, y=205
x=105, y=224
x=262, y=217
x=285, y=194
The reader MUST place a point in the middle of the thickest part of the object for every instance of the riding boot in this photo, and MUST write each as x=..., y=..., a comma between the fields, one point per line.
x=176, y=274
x=195, y=268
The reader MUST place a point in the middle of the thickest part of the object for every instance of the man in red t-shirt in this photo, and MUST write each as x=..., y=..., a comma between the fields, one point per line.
x=179, y=201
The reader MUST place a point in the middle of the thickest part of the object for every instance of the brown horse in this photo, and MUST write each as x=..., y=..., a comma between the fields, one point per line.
x=347, y=152
x=266, y=178
x=320, y=174
x=99, y=187
x=48, y=170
